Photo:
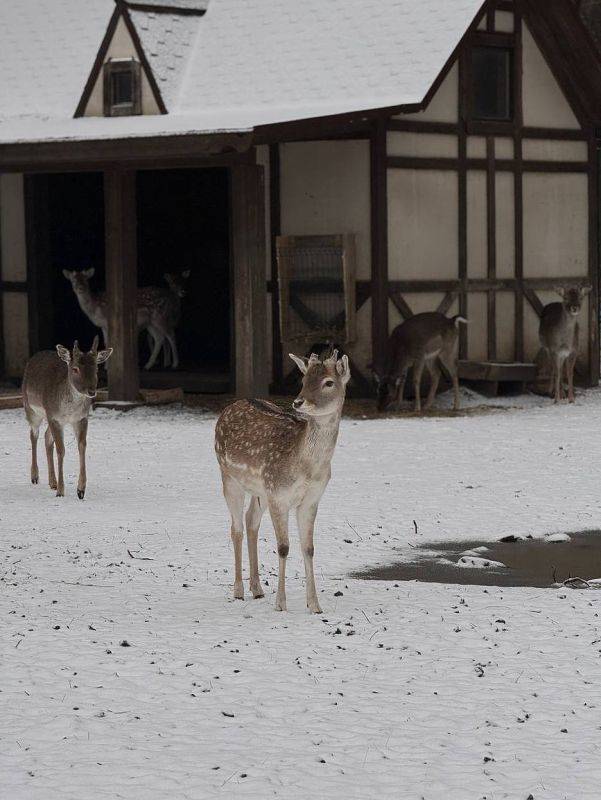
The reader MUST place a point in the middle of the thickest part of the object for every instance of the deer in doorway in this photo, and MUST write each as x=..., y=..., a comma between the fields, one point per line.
x=163, y=310
x=282, y=460
x=60, y=387
x=558, y=334
x=419, y=342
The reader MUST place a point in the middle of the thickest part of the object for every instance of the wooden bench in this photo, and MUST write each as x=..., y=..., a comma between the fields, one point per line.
x=487, y=375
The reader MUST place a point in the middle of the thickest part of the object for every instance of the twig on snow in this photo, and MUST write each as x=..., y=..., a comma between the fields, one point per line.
x=138, y=558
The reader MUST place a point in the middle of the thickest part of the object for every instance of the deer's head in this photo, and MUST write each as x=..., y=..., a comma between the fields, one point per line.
x=80, y=281
x=177, y=282
x=324, y=384
x=83, y=367
x=572, y=297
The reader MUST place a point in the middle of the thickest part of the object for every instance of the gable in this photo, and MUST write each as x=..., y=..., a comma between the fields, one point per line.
x=118, y=43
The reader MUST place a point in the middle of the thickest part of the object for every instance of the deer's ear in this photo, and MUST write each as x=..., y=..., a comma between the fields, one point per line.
x=301, y=363
x=104, y=355
x=63, y=353
x=67, y=274
x=89, y=273
x=584, y=290
x=559, y=290
x=343, y=369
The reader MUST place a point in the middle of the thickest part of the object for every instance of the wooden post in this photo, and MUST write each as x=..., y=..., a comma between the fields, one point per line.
x=250, y=285
x=379, y=242
x=39, y=275
x=121, y=282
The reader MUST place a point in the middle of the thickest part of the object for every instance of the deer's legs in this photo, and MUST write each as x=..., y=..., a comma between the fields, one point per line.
x=434, y=371
x=159, y=340
x=417, y=380
x=279, y=517
x=173, y=343
x=34, y=432
x=57, y=435
x=49, y=442
x=253, y=522
x=305, y=516
x=234, y=497
x=558, y=369
x=81, y=432
x=570, y=364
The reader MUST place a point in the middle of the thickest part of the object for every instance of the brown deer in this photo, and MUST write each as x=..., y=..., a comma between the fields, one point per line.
x=60, y=387
x=282, y=459
x=558, y=334
x=419, y=342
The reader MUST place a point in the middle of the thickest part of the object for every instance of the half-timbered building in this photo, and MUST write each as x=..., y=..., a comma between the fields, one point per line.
x=330, y=167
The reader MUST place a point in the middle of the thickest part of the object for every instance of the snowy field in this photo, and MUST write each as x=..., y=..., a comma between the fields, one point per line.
x=126, y=671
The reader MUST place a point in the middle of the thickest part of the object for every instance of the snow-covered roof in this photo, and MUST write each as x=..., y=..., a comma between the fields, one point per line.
x=243, y=63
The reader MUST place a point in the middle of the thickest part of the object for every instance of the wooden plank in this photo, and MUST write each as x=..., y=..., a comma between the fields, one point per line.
x=518, y=201
x=121, y=282
x=462, y=113
x=532, y=298
x=496, y=371
x=250, y=302
x=491, y=243
x=501, y=164
x=275, y=219
x=13, y=286
x=12, y=400
x=401, y=305
x=379, y=242
x=446, y=302
x=593, y=263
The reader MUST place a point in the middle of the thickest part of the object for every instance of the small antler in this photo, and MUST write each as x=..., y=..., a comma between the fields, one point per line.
x=95, y=345
x=333, y=358
x=313, y=359
x=76, y=347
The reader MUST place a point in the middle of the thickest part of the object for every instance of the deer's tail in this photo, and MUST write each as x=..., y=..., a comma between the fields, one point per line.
x=456, y=320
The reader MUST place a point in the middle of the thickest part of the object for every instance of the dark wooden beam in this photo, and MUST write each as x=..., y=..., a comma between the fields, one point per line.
x=401, y=305
x=275, y=220
x=491, y=240
x=250, y=301
x=175, y=10
x=533, y=299
x=379, y=242
x=501, y=165
x=518, y=201
x=13, y=286
x=121, y=282
x=593, y=263
x=462, y=115
x=446, y=302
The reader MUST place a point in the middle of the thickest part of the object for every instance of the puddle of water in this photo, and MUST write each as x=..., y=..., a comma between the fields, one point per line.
x=526, y=562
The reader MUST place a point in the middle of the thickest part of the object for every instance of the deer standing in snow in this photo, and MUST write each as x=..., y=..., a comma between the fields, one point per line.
x=419, y=342
x=558, y=334
x=60, y=387
x=282, y=459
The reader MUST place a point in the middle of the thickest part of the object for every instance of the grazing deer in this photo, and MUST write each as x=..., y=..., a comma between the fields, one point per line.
x=558, y=334
x=419, y=342
x=163, y=310
x=60, y=387
x=282, y=459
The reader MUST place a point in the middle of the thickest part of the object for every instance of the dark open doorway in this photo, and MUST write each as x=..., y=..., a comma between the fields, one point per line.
x=183, y=224
x=65, y=232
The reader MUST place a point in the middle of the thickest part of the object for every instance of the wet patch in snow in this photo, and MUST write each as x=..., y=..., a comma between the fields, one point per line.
x=553, y=560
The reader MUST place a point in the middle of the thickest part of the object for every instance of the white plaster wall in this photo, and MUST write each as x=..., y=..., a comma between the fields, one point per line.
x=422, y=224
x=121, y=46
x=476, y=225
x=444, y=105
x=543, y=150
x=504, y=147
x=505, y=326
x=325, y=189
x=12, y=228
x=543, y=101
x=15, y=332
x=422, y=145
x=477, y=333
x=476, y=147
x=556, y=225
x=504, y=22
x=505, y=224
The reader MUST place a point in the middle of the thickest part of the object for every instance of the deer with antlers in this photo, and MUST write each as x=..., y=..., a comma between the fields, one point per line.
x=282, y=460
x=60, y=387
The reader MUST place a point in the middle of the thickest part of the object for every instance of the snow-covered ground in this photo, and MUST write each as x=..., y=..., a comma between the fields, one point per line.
x=126, y=670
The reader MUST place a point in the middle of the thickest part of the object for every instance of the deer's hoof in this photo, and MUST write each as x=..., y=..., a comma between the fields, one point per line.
x=59, y=493
x=238, y=592
x=81, y=493
x=257, y=591
x=315, y=608
x=35, y=479
x=280, y=604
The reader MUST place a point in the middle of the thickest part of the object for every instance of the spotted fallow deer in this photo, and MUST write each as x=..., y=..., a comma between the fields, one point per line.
x=558, y=334
x=60, y=387
x=419, y=342
x=282, y=460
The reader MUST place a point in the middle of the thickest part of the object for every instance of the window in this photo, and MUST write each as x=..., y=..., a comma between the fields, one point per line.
x=492, y=79
x=122, y=89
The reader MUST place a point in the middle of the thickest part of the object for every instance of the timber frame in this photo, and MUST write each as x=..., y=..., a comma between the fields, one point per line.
x=119, y=158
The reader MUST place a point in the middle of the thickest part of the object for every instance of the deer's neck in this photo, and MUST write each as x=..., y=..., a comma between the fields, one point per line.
x=320, y=438
x=88, y=301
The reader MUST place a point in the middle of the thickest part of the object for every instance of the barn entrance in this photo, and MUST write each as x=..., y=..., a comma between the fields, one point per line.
x=184, y=229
